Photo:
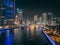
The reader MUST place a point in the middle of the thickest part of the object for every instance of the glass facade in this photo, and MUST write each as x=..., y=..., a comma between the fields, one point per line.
x=7, y=10
x=9, y=5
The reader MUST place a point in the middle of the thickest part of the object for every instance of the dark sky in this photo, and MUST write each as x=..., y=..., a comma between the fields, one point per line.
x=31, y=7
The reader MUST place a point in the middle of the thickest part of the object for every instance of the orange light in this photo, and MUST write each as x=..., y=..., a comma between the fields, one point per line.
x=32, y=27
x=7, y=26
x=1, y=27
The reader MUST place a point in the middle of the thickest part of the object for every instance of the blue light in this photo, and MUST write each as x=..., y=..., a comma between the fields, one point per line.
x=9, y=8
x=4, y=30
x=9, y=36
x=8, y=11
x=7, y=3
x=52, y=42
x=9, y=39
x=9, y=16
x=11, y=3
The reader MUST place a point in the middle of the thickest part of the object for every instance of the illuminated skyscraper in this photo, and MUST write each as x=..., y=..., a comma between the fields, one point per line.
x=40, y=19
x=35, y=19
x=7, y=10
x=20, y=15
x=50, y=19
x=10, y=8
x=44, y=18
x=2, y=13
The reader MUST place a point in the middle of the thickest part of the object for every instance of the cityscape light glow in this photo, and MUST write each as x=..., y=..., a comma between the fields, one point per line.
x=29, y=22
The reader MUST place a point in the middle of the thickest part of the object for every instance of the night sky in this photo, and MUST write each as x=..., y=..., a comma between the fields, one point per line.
x=32, y=7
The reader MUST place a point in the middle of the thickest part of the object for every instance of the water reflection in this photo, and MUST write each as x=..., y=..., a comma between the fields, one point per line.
x=19, y=37
x=9, y=38
x=6, y=37
x=16, y=36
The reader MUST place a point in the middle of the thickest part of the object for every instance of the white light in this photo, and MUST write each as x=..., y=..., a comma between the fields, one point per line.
x=54, y=21
x=16, y=16
x=11, y=6
x=29, y=22
x=3, y=8
x=54, y=18
x=17, y=9
x=49, y=13
x=44, y=13
x=19, y=12
x=15, y=22
x=38, y=23
x=23, y=22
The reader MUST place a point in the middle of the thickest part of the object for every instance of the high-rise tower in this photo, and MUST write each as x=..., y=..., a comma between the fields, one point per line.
x=44, y=18
x=7, y=10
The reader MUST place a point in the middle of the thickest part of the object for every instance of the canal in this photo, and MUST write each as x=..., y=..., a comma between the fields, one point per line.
x=23, y=37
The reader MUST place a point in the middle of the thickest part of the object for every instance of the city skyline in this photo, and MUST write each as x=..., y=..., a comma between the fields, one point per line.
x=37, y=6
x=29, y=22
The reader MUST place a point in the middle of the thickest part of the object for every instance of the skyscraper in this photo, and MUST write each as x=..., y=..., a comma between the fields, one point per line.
x=35, y=19
x=2, y=13
x=10, y=8
x=19, y=14
x=44, y=18
x=50, y=19
x=40, y=19
x=7, y=10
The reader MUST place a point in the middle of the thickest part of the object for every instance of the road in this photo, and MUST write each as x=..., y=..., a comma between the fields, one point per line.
x=55, y=37
x=23, y=37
